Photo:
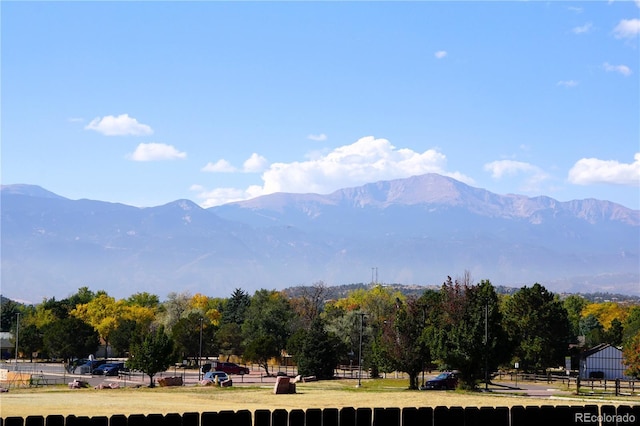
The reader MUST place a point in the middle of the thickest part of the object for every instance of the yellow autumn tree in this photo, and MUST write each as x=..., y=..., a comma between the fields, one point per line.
x=103, y=313
x=605, y=312
x=206, y=307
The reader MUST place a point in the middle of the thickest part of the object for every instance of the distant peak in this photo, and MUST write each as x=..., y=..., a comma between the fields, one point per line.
x=29, y=190
x=184, y=204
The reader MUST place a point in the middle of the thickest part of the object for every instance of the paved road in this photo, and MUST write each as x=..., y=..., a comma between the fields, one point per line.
x=55, y=373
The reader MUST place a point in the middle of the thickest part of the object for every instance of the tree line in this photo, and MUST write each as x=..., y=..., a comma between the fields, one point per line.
x=463, y=326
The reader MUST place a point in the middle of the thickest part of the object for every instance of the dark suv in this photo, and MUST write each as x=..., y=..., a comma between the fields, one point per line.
x=229, y=368
x=446, y=380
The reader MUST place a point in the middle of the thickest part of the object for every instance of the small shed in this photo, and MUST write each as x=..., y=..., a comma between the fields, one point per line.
x=603, y=361
x=7, y=348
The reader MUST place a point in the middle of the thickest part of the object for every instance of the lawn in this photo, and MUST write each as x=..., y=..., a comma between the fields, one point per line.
x=380, y=393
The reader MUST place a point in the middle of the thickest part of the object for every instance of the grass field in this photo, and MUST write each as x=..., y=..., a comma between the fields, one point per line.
x=335, y=394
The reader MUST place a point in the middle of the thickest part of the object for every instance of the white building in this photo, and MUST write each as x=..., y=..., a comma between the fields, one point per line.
x=603, y=362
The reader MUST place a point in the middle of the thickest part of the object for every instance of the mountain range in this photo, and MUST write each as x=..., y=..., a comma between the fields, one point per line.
x=410, y=231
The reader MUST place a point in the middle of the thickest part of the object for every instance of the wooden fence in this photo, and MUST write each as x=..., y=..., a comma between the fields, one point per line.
x=581, y=386
x=425, y=416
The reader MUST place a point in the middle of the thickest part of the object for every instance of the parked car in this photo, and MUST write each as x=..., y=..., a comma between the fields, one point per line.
x=114, y=369
x=446, y=380
x=228, y=367
x=89, y=366
x=100, y=370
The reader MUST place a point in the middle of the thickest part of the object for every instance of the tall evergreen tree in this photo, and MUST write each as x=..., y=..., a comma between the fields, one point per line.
x=319, y=352
x=236, y=307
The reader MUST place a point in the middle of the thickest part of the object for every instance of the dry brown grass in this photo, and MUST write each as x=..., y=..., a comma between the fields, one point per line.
x=336, y=394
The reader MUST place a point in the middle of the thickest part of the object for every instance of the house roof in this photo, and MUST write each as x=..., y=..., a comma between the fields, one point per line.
x=596, y=349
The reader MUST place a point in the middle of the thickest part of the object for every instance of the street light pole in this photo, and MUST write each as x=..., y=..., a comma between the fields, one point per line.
x=200, y=351
x=360, y=352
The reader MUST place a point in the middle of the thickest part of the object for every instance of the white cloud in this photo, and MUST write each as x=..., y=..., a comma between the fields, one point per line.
x=627, y=28
x=220, y=166
x=504, y=168
x=586, y=28
x=220, y=196
x=118, y=126
x=567, y=83
x=593, y=170
x=366, y=160
x=622, y=69
x=637, y=2
x=319, y=138
x=440, y=54
x=156, y=152
x=255, y=164
x=576, y=9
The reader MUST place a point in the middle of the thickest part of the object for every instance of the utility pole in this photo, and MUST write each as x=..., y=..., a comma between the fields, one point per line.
x=486, y=346
x=17, y=336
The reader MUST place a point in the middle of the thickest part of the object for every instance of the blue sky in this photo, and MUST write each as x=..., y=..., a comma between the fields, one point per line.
x=145, y=103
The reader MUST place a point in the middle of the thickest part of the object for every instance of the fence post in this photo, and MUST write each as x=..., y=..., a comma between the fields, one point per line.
x=364, y=416
x=313, y=417
x=296, y=418
x=34, y=421
x=55, y=420
x=330, y=417
x=347, y=416
x=262, y=417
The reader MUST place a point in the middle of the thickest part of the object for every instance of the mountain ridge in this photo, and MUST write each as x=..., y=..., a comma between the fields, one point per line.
x=416, y=230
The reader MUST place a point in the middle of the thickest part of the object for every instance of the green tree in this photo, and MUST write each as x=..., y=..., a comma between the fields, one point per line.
x=615, y=332
x=235, y=308
x=592, y=330
x=83, y=295
x=469, y=336
x=538, y=327
x=260, y=349
x=345, y=324
x=144, y=299
x=8, y=314
x=267, y=326
x=186, y=336
x=631, y=355
x=318, y=355
x=153, y=355
x=29, y=340
x=574, y=305
x=403, y=341
x=126, y=333
x=52, y=308
x=69, y=338
x=229, y=339
x=631, y=325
